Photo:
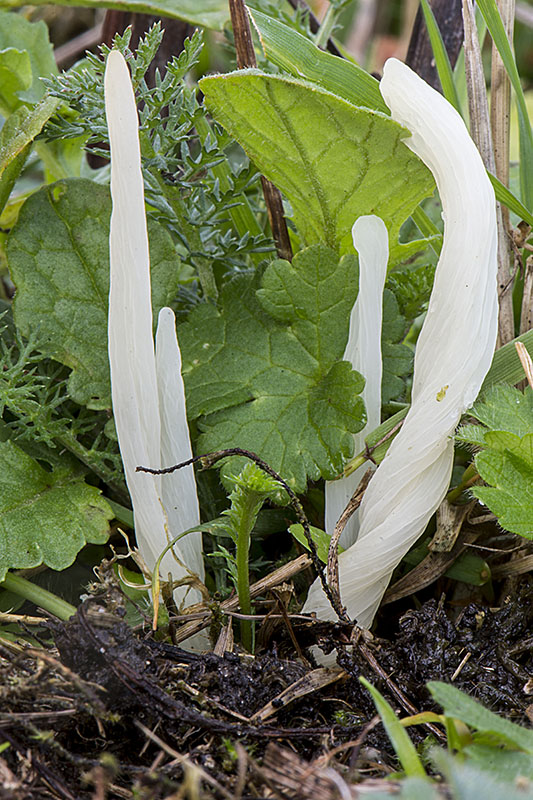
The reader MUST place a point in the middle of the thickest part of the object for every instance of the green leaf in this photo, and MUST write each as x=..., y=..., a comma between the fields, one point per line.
x=321, y=539
x=506, y=461
x=468, y=782
x=506, y=765
x=403, y=746
x=459, y=705
x=507, y=466
x=58, y=256
x=508, y=199
x=397, y=357
x=205, y=13
x=300, y=57
x=505, y=408
x=265, y=369
x=25, y=56
x=16, y=136
x=332, y=160
x=45, y=517
x=412, y=288
x=492, y=17
x=506, y=366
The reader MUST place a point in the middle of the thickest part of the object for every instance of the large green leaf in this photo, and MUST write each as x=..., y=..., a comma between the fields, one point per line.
x=265, y=369
x=333, y=161
x=205, y=13
x=45, y=517
x=58, y=256
x=26, y=55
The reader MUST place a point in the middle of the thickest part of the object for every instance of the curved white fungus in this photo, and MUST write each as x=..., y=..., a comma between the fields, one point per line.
x=363, y=351
x=147, y=393
x=453, y=353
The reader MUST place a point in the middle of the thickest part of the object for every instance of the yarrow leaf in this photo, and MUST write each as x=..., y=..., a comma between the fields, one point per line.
x=265, y=371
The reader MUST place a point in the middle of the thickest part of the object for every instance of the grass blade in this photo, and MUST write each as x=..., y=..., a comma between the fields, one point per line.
x=294, y=53
x=442, y=62
x=494, y=22
x=403, y=746
x=508, y=199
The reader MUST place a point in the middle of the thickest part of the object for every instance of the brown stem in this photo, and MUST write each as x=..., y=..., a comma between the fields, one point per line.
x=244, y=48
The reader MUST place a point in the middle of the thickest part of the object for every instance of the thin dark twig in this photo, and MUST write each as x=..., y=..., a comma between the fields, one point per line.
x=333, y=554
x=209, y=459
x=245, y=59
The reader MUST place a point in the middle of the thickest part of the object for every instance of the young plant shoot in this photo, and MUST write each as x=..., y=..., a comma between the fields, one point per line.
x=146, y=384
x=453, y=354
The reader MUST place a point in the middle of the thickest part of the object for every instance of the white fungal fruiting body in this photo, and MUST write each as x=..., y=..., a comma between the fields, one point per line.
x=147, y=390
x=453, y=353
x=363, y=351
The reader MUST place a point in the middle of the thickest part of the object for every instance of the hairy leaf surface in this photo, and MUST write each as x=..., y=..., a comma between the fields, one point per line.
x=266, y=370
x=332, y=160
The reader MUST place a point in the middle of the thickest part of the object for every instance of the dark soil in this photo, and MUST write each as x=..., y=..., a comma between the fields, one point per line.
x=104, y=712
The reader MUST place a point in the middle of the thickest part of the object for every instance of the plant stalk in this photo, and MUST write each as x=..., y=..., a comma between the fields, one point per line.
x=246, y=58
x=251, y=508
x=36, y=594
x=500, y=111
x=327, y=26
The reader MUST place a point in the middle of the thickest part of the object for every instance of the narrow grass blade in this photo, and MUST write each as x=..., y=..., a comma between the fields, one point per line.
x=403, y=746
x=294, y=53
x=509, y=200
x=442, y=62
x=492, y=17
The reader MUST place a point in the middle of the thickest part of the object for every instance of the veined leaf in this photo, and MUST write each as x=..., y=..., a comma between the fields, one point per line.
x=397, y=357
x=58, y=256
x=45, y=517
x=333, y=161
x=265, y=369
